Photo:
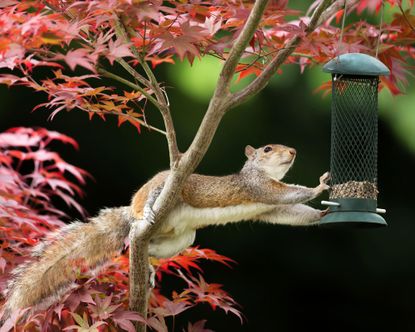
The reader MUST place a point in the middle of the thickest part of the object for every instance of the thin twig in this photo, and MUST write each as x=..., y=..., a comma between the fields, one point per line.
x=303, y=55
x=122, y=33
x=162, y=101
x=120, y=79
x=141, y=79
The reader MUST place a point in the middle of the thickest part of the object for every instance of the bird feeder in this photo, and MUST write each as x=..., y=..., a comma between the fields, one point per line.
x=354, y=141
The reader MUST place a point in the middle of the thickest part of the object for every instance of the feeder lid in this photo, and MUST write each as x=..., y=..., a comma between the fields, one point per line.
x=356, y=64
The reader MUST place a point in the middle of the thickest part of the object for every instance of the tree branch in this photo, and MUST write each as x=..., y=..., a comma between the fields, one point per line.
x=192, y=157
x=324, y=4
x=262, y=80
x=174, y=152
x=138, y=275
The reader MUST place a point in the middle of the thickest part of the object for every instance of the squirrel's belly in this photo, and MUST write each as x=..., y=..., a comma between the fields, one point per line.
x=185, y=217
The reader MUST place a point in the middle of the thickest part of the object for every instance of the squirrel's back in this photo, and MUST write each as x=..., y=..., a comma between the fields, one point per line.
x=199, y=191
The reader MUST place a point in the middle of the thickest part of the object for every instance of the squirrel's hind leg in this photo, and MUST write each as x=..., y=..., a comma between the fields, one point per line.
x=169, y=246
x=294, y=215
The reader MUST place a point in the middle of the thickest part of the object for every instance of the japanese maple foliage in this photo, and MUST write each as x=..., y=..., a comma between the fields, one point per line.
x=92, y=36
x=32, y=179
x=78, y=43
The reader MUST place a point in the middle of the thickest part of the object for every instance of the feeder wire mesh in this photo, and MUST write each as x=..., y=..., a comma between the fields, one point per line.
x=354, y=137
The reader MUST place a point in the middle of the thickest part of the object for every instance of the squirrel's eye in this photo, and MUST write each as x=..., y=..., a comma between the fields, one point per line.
x=267, y=149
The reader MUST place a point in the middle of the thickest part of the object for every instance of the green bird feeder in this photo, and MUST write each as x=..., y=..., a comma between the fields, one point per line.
x=354, y=142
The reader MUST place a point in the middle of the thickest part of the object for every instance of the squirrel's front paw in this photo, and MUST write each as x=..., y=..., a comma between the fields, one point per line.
x=323, y=181
x=325, y=178
x=323, y=184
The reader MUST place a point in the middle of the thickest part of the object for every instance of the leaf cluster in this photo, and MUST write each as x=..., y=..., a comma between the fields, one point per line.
x=91, y=36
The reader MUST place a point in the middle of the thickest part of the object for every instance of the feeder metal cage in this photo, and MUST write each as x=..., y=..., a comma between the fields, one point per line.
x=353, y=164
x=354, y=139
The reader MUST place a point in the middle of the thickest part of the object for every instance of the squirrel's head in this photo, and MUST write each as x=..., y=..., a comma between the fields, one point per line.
x=273, y=159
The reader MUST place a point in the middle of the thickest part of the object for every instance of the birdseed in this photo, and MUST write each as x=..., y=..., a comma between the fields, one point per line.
x=354, y=189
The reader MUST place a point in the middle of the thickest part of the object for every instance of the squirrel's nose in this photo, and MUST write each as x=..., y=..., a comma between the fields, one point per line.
x=292, y=151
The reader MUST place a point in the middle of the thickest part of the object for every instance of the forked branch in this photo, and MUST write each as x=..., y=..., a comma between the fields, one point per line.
x=239, y=47
x=262, y=80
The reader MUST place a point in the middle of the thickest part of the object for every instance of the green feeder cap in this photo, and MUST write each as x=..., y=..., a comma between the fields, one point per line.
x=356, y=64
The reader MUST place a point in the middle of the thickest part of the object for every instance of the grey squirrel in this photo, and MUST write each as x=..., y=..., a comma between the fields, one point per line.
x=255, y=193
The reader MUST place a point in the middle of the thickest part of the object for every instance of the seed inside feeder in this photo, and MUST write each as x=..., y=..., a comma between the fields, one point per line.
x=354, y=189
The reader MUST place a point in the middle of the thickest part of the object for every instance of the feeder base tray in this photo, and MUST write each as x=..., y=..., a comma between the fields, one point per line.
x=352, y=219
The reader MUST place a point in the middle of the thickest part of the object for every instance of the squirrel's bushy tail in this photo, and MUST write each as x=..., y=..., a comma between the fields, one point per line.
x=56, y=260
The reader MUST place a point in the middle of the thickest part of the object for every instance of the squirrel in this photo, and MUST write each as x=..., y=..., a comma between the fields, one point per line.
x=255, y=193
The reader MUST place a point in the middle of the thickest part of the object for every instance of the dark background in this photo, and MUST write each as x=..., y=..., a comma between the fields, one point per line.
x=286, y=279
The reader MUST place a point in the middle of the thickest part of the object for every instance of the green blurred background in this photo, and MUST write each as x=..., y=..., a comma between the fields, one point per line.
x=286, y=279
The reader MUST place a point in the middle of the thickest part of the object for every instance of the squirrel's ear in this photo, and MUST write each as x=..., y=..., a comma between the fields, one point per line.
x=249, y=151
